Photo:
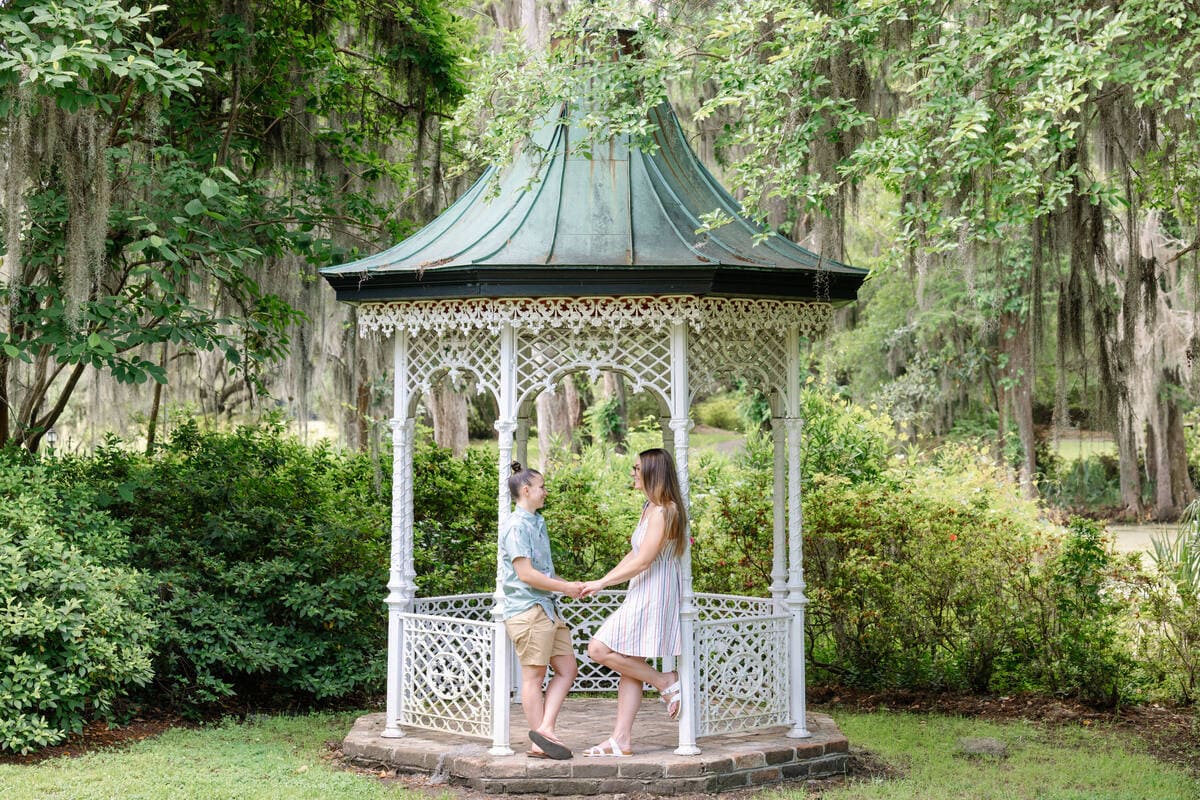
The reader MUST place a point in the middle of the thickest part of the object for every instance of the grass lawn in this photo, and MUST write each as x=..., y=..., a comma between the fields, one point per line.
x=285, y=758
x=1074, y=448
x=278, y=757
x=1062, y=763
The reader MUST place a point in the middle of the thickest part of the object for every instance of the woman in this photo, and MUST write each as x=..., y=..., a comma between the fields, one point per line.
x=647, y=623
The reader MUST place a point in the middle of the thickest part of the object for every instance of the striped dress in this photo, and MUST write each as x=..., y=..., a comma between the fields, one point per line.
x=647, y=623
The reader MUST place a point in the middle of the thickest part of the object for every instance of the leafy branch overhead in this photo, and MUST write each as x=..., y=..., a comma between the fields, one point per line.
x=1045, y=156
x=167, y=160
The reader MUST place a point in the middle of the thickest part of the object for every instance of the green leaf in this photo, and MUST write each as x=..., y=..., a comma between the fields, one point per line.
x=194, y=206
x=209, y=188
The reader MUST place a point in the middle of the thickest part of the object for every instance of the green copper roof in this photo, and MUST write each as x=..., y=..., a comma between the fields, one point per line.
x=612, y=222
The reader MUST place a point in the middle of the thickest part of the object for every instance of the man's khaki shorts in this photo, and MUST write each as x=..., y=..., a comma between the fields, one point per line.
x=538, y=638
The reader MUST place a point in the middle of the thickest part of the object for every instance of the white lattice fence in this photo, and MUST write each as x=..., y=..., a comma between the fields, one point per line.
x=447, y=678
x=741, y=652
x=460, y=606
x=742, y=669
x=732, y=606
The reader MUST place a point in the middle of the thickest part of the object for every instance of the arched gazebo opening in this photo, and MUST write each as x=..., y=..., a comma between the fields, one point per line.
x=590, y=261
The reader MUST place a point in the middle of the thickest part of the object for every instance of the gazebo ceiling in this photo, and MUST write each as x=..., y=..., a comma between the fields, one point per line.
x=615, y=222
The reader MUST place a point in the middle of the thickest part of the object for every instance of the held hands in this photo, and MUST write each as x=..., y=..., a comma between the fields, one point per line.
x=581, y=589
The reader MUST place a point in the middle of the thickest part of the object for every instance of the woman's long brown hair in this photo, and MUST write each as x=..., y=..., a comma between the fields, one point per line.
x=661, y=485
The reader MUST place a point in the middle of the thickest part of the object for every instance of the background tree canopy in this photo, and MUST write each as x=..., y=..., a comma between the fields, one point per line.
x=1021, y=177
x=1032, y=167
x=173, y=173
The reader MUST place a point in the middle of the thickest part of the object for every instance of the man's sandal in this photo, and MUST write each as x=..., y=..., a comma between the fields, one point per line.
x=553, y=749
x=673, y=697
x=607, y=749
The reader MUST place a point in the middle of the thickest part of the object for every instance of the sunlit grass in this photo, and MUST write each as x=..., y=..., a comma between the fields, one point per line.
x=277, y=758
x=284, y=757
x=1042, y=764
x=1074, y=448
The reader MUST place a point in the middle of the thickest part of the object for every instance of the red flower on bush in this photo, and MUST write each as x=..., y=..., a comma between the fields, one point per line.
x=954, y=537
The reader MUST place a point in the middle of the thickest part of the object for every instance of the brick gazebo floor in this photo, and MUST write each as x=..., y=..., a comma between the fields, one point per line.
x=729, y=761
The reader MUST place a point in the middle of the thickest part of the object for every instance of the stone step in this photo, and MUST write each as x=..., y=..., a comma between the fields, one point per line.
x=731, y=761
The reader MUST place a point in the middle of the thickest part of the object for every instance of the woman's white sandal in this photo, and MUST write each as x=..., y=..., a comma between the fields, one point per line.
x=673, y=697
x=607, y=749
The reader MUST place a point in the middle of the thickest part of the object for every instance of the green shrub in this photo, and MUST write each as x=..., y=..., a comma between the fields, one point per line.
x=268, y=561
x=720, y=411
x=927, y=575
x=1068, y=637
x=732, y=520
x=73, y=632
x=1166, y=621
x=843, y=438
x=913, y=580
x=455, y=514
x=591, y=510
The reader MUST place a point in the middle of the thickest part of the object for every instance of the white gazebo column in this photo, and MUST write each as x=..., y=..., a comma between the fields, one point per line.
x=779, y=506
x=506, y=425
x=681, y=425
x=401, y=575
x=796, y=601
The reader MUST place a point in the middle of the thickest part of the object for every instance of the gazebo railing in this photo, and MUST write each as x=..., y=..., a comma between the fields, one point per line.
x=742, y=673
x=457, y=606
x=741, y=652
x=447, y=677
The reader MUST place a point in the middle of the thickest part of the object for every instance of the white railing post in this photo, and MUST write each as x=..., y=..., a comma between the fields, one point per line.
x=796, y=601
x=401, y=575
x=779, y=506
x=506, y=425
x=681, y=425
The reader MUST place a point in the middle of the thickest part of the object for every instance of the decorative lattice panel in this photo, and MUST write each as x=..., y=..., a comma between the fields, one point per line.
x=447, y=675
x=476, y=607
x=747, y=339
x=730, y=606
x=545, y=356
x=469, y=358
x=742, y=675
x=556, y=336
x=754, y=355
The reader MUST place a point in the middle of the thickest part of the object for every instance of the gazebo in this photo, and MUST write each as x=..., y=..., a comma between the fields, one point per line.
x=587, y=259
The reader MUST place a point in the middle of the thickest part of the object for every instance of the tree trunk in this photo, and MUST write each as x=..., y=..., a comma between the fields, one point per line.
x=558, y=415
x=1173, y=488
x=449, y=411
x=155, y=403
x=612, y=387
x=1182, y=489
x=1127, y=457
x=4, y=433
x=1015, y=341
x=362, y=406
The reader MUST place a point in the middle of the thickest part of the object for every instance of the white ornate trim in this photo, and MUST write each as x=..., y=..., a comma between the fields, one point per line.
x=717, y=314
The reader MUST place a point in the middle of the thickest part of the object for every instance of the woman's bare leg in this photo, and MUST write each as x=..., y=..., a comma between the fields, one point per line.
x=630, y=666
x=629, y=700
x=635, y=673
